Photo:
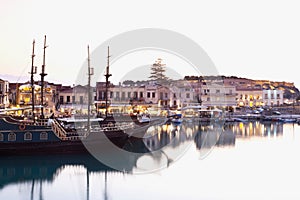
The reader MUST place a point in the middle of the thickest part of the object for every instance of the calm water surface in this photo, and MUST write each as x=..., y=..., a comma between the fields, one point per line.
x=237, y=161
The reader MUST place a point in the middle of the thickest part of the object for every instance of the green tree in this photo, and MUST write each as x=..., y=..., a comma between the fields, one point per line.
x=158, y=70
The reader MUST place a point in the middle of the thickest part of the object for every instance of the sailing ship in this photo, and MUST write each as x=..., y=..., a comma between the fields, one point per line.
x=66, y=135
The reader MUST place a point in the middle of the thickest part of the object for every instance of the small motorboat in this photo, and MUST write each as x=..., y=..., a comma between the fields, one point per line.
x=288, y=120
x=143, y=118
x=176, y=118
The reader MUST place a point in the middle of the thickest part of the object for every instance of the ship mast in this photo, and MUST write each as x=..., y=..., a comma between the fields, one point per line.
x=90, y=73
x=107, y=75
x=43, y=74
x=33, y=71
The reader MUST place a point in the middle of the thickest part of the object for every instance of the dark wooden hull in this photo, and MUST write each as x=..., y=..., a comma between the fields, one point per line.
x=57, y=147
x=42, y=148
x=68, y=145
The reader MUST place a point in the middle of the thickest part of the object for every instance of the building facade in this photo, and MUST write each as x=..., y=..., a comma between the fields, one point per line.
x=216, y=95
x=4, y=93
x=272, y=97
x=259, y=97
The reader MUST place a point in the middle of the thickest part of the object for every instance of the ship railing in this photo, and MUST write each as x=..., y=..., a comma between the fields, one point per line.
x=117, y=126
x=43, y=122
x=58, y=130
x=73, y=138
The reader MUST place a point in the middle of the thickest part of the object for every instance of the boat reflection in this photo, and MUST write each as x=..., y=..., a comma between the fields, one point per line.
x=161, y=146
x=20, y=169
x=41, y=168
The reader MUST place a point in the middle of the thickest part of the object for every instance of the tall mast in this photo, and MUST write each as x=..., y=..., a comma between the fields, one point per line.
x=43, y=74
x=107, y=75
x=90, y=72
x=33, y=71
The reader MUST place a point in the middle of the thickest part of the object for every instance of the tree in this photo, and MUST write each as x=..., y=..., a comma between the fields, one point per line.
x=157, y=71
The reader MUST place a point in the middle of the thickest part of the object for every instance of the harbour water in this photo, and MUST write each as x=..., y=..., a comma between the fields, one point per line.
x=251, y=160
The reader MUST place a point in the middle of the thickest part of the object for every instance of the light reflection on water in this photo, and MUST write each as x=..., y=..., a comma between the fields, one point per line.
x=235, y=161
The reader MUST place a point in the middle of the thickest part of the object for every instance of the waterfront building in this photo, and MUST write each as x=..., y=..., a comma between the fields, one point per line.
x=250, y=97
x=22, y=96
x=259, y=97
x=159, y=96
x=4, y=93
x=272, y=97
x=74, y=98
x=216, y=95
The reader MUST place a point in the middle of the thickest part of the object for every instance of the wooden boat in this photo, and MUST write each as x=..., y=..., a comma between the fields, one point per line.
x=44, y=136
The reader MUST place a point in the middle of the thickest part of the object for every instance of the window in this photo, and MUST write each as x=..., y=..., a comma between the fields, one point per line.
x=230, y=91
x=53, y=96
x=1, y=137
x=153, y=94
x=266, y=96
x=99, y=95
x=123, y=95
x=161, y=95
x=148, y=94
x=111, y=95
x=61, y=99
x=141, y=94
x=135, y=94
x=128, y=94
x=278, y=96
x=272, y=96
x=206, y=91
x=73, y=99
x=68, y=99
x=43, y=136
x=251, y=98
x=208, y=98
x=217, y=91
x=27, y=136
x=117, y=94
x=174, y=95
x=166, y=95
x=81, y=99
x=187, y=95
x=12, y=136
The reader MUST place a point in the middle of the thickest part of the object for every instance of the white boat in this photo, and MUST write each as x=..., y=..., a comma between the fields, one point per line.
x=236, y=119
x=143, y=118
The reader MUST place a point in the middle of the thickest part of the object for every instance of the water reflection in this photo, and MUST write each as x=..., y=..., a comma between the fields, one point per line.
x=19, y=169
x=255, y=129
x=163, y=146
x=227, y=134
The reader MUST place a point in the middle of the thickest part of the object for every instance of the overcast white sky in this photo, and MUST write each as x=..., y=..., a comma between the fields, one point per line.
x=257, y=39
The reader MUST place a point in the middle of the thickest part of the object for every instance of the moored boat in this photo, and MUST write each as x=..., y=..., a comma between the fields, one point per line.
x=66, y=135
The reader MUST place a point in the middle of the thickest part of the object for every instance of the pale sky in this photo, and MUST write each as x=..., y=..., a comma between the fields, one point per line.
x=257, y=39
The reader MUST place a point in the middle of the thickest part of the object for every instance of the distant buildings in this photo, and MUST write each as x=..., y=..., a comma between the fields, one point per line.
x=210, y=91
